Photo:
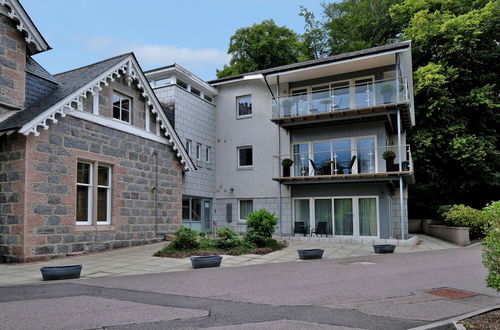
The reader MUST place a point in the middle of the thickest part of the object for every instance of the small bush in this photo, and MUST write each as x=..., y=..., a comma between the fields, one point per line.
x=260, y=227
x=185, y=239
x=491, y=245
x=227, y=239
x=466, y=216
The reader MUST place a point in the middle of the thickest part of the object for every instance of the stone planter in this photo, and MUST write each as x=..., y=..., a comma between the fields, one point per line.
x=206, y=261
x=457, y=235
x=305, y=254
x=384, y=248
x=61, y=272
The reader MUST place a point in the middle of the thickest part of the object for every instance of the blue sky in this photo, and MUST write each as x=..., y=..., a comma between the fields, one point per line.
x=193, y=33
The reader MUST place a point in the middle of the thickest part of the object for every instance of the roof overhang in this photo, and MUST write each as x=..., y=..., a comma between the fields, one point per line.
x=133, y=73
x=184, y=75
x=34, y=39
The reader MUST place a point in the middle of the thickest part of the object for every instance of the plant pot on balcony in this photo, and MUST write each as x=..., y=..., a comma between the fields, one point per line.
x=61, y=272
x=305, y=254
x=389, y=157
x=206, y=261
x=286, y=163
x=384, y=248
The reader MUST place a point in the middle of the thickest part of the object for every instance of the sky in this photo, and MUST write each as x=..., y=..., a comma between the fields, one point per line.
x=194, y=33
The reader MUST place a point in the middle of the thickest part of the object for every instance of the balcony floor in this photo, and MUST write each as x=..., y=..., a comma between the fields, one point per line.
x=408, y=178
x=347, y=115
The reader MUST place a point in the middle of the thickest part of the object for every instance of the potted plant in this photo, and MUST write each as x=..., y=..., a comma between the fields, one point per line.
x=287, y=106
x=389, y=157
x=61, y=272
x=384, y=248
x=305, y=254
x=286, y=163
x=387, y=91
x=205, y=261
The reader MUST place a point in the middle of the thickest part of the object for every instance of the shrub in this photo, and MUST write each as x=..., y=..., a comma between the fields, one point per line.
x=227, y=239
x=185, y=239
x=260, y=227
x=466, y=216
x=491, y=245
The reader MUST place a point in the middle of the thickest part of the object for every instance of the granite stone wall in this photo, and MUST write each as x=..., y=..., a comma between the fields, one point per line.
x=12, y=65
x=47, y=215
x=12, y=173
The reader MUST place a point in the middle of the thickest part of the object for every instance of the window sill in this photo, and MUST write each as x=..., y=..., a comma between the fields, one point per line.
x=241, y=222
x=243, y=117
x=95, y=228
x=245, y=168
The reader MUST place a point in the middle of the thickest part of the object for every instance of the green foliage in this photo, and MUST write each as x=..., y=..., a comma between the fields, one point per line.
x=260, y=227
x=286, y=162
x=185, y=239
x=388, y=154
x=466, y=216
x=261, y=46
x=352, y=25
x=491, y=245
x=227, y=239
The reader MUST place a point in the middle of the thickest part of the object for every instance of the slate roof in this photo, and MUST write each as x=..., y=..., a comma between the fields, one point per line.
x=36, y=69
x=69, y=82
x=326, y=60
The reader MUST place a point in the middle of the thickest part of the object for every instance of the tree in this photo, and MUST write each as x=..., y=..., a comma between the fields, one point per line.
x=261, y=46
x=314, y=37
x=455, y=143
x=352, y=25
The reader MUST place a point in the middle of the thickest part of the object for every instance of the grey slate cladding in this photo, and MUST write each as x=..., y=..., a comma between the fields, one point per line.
x=37, y=88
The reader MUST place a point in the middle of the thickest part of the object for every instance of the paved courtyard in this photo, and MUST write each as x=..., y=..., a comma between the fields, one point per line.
x=140, y=260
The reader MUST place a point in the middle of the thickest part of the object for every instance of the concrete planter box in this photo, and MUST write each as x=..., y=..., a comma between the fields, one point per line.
x=206, y=261
x=384, y=248
x=305, y=254
x=457, y=235
x=61, y=272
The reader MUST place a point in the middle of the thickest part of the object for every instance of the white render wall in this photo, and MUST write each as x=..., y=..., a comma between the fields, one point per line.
x=194, y=120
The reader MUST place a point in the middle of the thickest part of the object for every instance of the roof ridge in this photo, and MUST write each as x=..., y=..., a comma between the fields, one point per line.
x=91, y=64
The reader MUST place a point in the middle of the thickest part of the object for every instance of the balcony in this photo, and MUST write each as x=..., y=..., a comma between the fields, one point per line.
x=343, y=101
x=362, y=164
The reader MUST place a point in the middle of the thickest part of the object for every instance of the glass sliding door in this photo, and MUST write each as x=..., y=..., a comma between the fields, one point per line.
x=367, y=217
x=366, y=155
x=301, y=214
x=341, y=150
x=322, y=158
x=320, y=99
x=323, y=213
x=301, y=159
x=299, y=102
x=343, y=216
x=340, y=96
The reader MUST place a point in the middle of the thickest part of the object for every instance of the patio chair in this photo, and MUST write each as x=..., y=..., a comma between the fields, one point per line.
x=351, y=164
x=320, y=229
x=300, y=228
x=313, y=166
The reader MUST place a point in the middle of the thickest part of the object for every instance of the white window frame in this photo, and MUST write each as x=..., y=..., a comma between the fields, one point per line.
x=122, y=96
x=90, y=196
x=238, y=157
x=240, y=220
x=189, y=145
x=108, y=194
x=355, y=211
x=93, y=194
x=198, y=151
x=238, y=116
x=207, y=154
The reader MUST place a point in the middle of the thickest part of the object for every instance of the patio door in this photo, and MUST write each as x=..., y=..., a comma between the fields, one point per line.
x=323, y=213
x=344, y=216
x=366, y=155
x=301, y=159
x=301, y=213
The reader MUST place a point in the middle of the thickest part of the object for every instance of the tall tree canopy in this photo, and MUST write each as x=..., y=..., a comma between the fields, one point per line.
x=261, y=46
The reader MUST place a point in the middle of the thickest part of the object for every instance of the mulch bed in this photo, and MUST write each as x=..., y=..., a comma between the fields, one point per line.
x=487, y=321
x=185, y=254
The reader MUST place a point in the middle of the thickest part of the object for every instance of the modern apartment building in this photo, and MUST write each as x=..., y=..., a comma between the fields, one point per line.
x=339, y=122
x=188, y=102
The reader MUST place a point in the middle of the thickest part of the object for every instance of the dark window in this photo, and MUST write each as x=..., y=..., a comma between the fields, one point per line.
x=245, y=156
x=244, y=105
x=208, y=98
x=195, y=91
x=182, y=84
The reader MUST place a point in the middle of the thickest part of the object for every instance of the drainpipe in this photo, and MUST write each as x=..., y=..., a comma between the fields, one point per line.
x=155, y=189
x=400, y=154
x=278, y=94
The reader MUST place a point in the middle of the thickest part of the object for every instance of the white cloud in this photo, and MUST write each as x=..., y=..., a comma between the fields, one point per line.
x=158, y=55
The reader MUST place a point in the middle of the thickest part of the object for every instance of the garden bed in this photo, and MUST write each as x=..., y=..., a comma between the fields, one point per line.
x=486, y=321
x=171, y=253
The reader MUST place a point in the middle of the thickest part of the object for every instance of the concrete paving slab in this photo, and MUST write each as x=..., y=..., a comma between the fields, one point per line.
x=282, y=325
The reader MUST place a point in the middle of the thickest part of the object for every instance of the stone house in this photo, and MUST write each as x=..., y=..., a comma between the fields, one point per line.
x=88, y=158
